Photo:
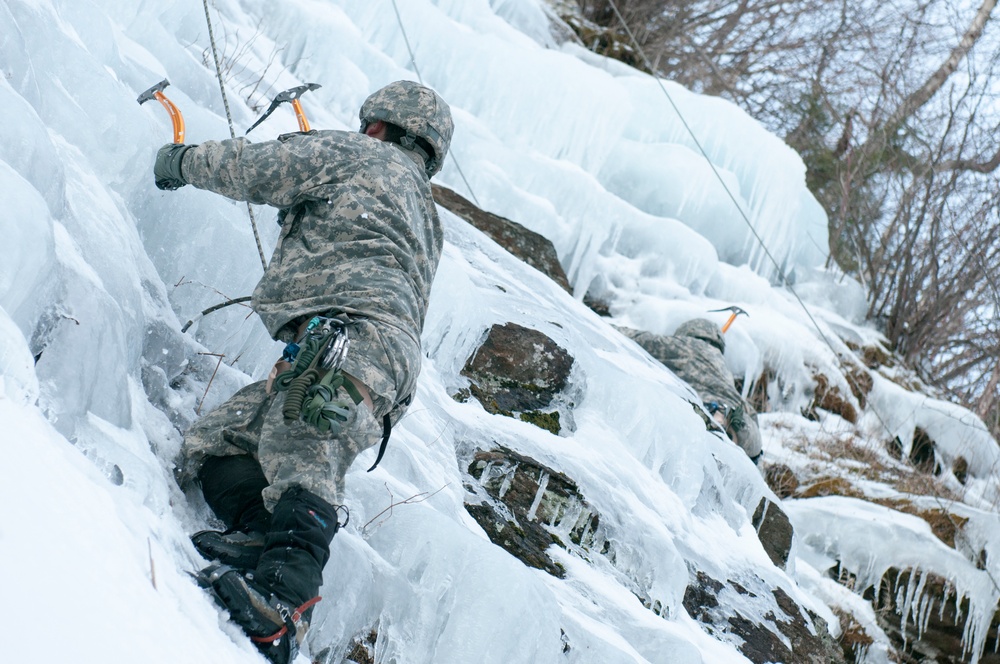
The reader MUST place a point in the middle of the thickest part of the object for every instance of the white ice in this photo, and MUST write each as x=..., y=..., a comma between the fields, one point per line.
x=99, y=271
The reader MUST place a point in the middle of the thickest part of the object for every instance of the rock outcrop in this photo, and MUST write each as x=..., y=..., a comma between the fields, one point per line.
x=522, y=373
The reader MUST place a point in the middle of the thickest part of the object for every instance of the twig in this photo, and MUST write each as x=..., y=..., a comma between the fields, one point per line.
x=215, y=307
x=412, y=500
x=207, y=387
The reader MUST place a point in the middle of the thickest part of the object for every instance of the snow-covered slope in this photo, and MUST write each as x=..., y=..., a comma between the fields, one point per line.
x=99, y=271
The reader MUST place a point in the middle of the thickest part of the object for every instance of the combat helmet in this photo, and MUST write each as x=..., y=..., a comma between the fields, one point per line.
x=703, y=329
x=419, y=111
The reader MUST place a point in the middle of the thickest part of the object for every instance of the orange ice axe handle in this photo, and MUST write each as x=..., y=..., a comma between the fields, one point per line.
x=300, y=116
x=291, y=95
x=736, y=312
x=156, y=92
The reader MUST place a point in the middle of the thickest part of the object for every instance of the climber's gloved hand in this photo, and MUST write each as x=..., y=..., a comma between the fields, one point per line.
x=167, y=169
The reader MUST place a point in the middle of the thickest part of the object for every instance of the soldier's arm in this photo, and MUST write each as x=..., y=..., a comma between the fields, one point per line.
x=274, y=173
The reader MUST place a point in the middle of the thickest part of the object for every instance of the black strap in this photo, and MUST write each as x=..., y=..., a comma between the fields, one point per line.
x=386, y=431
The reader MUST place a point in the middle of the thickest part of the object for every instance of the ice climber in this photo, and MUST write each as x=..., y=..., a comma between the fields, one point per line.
x=359, y=245
x=695, y=353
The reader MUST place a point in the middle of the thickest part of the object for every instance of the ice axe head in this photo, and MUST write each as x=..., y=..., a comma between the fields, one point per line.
x=736, y=312
x=156, y=92
x=291, y=95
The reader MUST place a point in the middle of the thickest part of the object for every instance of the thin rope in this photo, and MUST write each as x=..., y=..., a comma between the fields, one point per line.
x=739, y=208
x=413, y=61
x=406, y=40
x=232, y=131
x=732, y=197
x=781, y=272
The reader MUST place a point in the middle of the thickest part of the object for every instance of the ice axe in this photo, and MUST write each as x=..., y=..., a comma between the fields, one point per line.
x=156, y=92
x=736, y=312
x=292, y=95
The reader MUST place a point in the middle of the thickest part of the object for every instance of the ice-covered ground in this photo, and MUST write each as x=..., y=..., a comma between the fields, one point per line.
x=99, y=271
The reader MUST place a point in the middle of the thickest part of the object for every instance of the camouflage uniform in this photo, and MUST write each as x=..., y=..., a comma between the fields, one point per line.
x=360, y=236
x=694, y=353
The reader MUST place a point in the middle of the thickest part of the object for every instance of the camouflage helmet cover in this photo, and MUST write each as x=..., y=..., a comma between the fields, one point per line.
x=703, y=329
x=418, y=110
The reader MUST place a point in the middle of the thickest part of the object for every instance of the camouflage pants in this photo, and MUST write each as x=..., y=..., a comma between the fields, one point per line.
x=290, y=453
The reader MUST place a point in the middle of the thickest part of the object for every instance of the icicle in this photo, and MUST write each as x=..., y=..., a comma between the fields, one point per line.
x=543, y=484
x=903, y=599
x=508, y=478
x=945, y=594
x=921, y=599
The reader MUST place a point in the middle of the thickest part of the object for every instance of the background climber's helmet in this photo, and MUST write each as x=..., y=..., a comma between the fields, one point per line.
x=703, y=329
x=418, y=110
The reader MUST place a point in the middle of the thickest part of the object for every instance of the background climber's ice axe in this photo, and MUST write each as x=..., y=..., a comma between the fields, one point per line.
x=291, y=95
x=156, y=92
x=736, y=312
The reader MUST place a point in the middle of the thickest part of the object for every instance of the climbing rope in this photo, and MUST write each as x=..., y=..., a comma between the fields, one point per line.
x=767, y=252
x=781, y=273
x=232, y=131
x=413, y=61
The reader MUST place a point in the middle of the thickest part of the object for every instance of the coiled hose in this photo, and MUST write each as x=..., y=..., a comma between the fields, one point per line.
x=310, y=395
x=303, y=374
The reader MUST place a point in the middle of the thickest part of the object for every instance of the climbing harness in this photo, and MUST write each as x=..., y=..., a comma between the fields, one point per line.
x=312, y=394
x=736, y=419
x=733, y=417
x=315, y=376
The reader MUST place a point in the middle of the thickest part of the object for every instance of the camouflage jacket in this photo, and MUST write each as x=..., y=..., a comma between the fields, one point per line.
x=702, y=366
x=360, y=235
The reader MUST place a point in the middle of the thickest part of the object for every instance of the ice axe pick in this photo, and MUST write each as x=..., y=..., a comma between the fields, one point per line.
x=736, y=312
x=291, y=95
x=156, y=92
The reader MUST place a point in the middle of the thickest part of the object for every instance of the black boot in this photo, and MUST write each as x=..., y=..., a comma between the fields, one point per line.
x=273, y=603
x=231, y=547
x=232, y=487
x=297, y=546
x=276, y=628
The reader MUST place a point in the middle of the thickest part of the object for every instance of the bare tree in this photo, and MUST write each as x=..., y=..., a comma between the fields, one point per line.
x=893, y=106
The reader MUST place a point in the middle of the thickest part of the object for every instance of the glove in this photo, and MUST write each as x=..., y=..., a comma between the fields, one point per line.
x=167, y=169
x=736, y=420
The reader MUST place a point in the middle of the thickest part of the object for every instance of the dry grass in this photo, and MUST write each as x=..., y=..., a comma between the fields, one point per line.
x=871, y=464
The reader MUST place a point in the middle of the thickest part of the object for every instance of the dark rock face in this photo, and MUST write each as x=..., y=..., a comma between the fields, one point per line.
x=518, y=372
x=361, y=651
x=527, y=505
x=530, y=247
x=941, y=639
x=774, y=531
x=807, y=633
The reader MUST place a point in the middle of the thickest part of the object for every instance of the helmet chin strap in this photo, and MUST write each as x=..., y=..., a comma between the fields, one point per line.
x=409, y=141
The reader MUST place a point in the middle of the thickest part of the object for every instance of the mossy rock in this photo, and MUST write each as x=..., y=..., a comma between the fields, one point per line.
x=518, y=519
x=532, y=248
x=519, y=372
x=547, y=421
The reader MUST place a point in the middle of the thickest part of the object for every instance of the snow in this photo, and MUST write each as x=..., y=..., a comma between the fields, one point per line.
x=99, y=271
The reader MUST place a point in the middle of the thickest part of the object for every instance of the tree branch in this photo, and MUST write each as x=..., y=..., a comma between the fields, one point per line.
x=971, y=165
x=915, y=100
